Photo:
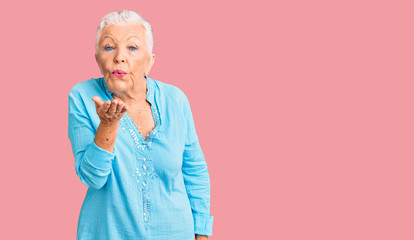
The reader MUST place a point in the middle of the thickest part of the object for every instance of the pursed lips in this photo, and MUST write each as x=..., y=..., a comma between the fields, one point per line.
x=118, y=73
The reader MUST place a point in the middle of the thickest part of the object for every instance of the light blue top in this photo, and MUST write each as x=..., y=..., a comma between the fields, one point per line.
x=158, y=188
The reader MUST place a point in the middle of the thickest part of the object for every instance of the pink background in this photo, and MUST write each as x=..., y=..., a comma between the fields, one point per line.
x=304, y=110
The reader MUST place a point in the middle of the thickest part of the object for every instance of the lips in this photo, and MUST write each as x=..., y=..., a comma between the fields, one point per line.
x=118, y=73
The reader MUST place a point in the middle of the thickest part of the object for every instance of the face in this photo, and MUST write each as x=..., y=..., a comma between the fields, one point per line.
x=123, y=47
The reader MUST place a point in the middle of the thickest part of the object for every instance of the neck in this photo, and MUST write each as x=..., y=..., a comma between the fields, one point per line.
x=136, y=96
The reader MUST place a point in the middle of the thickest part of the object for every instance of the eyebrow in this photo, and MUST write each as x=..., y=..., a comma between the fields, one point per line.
x=133, y=37
x=113, y=39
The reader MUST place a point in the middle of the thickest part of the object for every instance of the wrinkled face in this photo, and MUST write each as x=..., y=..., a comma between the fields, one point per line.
x=123, y=47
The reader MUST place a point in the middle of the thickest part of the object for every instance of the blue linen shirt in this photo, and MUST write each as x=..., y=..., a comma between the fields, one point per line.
x=154, y=188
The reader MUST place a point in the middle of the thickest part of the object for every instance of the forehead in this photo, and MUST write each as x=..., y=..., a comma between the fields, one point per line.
x=123, y=32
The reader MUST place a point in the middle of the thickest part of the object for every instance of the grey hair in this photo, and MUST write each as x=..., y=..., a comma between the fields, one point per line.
x=124, y=17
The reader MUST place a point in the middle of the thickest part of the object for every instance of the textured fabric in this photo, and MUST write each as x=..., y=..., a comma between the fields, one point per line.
x=153, y=188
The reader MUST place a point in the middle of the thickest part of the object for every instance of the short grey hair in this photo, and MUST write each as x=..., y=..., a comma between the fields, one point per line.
x=124, y=17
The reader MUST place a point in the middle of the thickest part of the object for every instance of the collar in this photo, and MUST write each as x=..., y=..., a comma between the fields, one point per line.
x=150, y=89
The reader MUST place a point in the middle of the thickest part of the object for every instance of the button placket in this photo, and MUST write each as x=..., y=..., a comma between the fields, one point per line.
x=144, y=173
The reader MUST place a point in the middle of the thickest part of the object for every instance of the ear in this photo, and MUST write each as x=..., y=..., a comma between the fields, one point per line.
x=96, y=58
x=151, y=62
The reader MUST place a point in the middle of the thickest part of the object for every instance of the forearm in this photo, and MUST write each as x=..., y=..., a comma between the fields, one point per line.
x=197, y=184
x=105, y=136
x=93, y=163
x=201, y=237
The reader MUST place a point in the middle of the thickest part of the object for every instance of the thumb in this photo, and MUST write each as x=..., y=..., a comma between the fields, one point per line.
x=98, y=101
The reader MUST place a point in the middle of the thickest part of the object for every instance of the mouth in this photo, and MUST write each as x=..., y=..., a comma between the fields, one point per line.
x=118, y=73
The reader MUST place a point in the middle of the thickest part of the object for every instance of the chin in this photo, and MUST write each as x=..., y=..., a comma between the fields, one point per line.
x=117, y=84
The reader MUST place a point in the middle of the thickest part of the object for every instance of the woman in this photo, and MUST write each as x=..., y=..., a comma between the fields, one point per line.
x=135, y=144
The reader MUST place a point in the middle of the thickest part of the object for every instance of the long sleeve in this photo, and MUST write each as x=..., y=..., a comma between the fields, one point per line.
x=92, y=163
x=196, y=177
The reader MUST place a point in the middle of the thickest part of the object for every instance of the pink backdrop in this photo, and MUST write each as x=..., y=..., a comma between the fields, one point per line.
x=304, y=110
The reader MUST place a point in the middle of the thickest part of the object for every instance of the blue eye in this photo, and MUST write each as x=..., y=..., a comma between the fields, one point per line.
x=106, y=48
x=134, y=48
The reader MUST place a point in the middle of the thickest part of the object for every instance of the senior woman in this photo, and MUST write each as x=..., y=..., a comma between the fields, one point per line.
x=135, y=144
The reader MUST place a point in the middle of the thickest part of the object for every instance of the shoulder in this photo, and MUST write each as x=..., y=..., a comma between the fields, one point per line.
x=171, y=92
x=81, y=94
x=84, y=91
x=84, y=87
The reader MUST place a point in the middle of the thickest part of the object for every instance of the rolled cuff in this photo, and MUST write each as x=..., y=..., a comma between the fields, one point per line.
x=98, y=158
x=203, y=224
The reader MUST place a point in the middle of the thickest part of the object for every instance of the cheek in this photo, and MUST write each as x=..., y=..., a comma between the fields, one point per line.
x=138, y=64
x=105, y=61
x=107, y=65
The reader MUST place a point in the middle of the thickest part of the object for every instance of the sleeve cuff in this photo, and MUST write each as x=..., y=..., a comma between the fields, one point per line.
x=203, y=224
x=98, y=158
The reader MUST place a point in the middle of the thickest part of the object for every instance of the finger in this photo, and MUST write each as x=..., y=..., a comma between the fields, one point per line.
x=98, y=101
x=106, y=106
x=119, y=107
x=124, y=109
x=113, y=107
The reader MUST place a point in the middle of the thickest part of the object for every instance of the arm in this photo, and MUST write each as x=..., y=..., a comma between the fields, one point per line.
x=201, y=237
x=92, y=163
x=196, y=177
x=106, y=135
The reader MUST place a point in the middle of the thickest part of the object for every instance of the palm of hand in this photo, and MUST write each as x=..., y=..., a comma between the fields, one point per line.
x=110, y=111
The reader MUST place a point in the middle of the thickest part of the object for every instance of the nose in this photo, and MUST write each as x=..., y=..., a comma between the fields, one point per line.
x=120, y=56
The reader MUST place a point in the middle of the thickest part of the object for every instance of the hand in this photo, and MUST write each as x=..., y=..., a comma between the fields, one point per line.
x=110, y=112
x=201, y=237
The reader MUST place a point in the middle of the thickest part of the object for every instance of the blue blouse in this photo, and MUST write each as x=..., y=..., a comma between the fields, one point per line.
x=153, y=188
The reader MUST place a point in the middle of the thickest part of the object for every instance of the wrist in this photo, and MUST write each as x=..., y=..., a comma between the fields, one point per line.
x=109, y=124
x=201, y=237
